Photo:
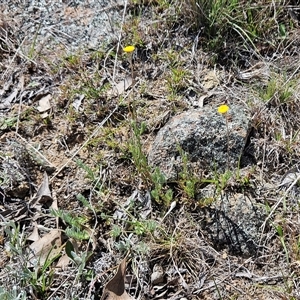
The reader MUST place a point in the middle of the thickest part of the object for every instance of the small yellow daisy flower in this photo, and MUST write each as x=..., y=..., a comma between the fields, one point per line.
x=128, y=49
x=223, y=109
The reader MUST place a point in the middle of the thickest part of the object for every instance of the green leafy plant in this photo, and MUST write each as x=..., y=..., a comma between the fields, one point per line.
x=133, y=227
x=7, y=123
x=80, y=259
x=90, y=173
x=221, y=180
x=133, y=224
x=177, y=81
x=160, y=192
x=15, y=236
x=32, y=51
x=75, y=224
x=40, y=277
x=93, y=175
x=187, y=180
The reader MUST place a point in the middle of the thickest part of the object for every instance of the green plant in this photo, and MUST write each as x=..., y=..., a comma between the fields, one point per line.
x=126, y=245
x=133, y=224
x=279, y=230
x=73, y=60
x=14, y=294
x=141, y=227
x=80, y=259
x=218, y=179
x=133, y=227
x=233, y=23
x=31, y=53
x=75, y=224
x=163, y=4
x=138, y=157
x=221, y=180
x=15, y=236
x=243, y=180
x=177, y=81
x=187, y=180
x=39, y=276
x=278, y=90
x=93, y=175
x=133, y=30
x=159, y=192
x=7, y=123
x=77, y=227
x=115, y=231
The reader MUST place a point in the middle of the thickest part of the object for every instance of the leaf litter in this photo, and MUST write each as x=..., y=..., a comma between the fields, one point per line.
x=115, y=288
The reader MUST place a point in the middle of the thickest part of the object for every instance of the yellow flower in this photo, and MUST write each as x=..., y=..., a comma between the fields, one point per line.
x=223, y=109
x=128, y=49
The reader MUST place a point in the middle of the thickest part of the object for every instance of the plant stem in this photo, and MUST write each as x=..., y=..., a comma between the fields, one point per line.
x=226, y=117
x=131, y=103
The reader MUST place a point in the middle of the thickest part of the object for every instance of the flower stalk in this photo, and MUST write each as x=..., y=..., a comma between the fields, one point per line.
x=129, y=50
x=223, y=109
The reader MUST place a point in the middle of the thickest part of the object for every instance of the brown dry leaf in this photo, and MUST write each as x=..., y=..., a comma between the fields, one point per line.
x=43, y=194
x=34, y=236
x=63, y=262
x=44, y=103
x=46, y=248
x=44, y=106
x=121, y=87
x=115, y=288
x=54, y=206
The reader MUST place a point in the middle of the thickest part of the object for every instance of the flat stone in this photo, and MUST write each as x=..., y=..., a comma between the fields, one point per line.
x=202, y=135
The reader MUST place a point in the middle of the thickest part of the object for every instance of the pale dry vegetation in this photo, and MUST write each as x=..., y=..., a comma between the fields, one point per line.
x=77, y=192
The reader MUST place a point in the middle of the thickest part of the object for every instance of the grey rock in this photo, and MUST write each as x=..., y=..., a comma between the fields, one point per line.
x=202, y=135
x=233, y=222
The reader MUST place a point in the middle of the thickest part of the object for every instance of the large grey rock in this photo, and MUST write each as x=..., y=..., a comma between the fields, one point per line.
x=202, y=135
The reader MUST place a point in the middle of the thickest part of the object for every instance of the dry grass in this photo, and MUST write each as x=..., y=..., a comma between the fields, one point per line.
x=102, y=184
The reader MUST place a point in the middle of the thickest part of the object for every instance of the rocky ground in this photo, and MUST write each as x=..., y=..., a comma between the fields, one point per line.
x=109, y=156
